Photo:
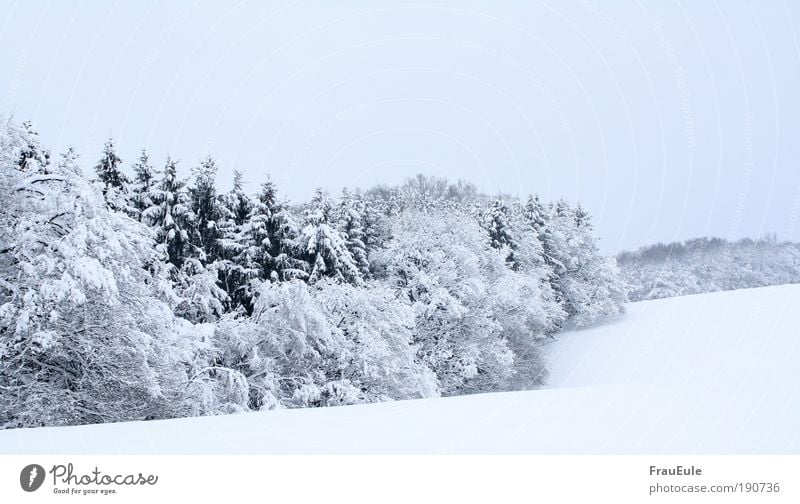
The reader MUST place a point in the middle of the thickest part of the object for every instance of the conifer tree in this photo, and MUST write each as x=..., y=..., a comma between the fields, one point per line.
x=145, y=179
x=69, y=161
x=588, y=283
x=537, y=217
x=271, y=233
x=374, y=223
x=114, y=181
x=205, y=206
x=351, y=225
x=496, y=223
x=324, y=247
x=237, y=266
x=240, y=203
x=171, y=217
x=32, y=156
x=535, y=213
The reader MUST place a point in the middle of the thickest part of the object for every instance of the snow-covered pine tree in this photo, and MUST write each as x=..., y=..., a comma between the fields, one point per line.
x=32, y=156
x=171, y=217
x=145, y=180
x=589, y=284
x=607, y=291
x=202, y=299
x=258, y=241
x=374, y=223
x=324, y=248
x=205, y=206
x=561, y=253
x=239, y=203
x=535, y=213
x=237, y=265
x=537, y=217
x=107, y=168
x=198, y=298
x=271, y=233
x=114, y=182
x=69, y=161
x=350, y=223
x=530, y=261
x=496, y=222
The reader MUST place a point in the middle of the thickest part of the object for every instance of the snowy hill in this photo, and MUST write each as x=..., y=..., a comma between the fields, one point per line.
x=711, y=373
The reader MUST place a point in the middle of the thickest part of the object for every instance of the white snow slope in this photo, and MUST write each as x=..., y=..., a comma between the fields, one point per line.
x=711, y=373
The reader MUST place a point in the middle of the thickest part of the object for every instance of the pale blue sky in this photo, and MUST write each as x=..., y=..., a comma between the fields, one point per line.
x=668, y=120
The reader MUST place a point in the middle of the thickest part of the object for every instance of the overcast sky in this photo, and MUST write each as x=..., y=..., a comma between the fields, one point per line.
x=666, y=120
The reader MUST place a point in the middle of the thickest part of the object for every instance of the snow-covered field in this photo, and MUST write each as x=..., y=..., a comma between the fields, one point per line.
x=711, y=373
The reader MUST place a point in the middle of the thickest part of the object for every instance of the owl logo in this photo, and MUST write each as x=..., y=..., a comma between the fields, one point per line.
x=31, y=477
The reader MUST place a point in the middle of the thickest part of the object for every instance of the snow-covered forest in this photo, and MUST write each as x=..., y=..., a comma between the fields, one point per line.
x=128, y=293
x=708, y=265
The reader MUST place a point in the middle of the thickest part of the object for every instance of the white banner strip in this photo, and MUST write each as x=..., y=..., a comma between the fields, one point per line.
x=378, y=479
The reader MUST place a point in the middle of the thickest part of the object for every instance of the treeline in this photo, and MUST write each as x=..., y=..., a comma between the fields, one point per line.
x=708, y=265
x=136, y=294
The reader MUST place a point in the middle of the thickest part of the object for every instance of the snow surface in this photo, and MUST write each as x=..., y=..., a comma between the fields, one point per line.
x=710, y=373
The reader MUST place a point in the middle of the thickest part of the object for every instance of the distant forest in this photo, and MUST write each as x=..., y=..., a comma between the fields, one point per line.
x=708, y=265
